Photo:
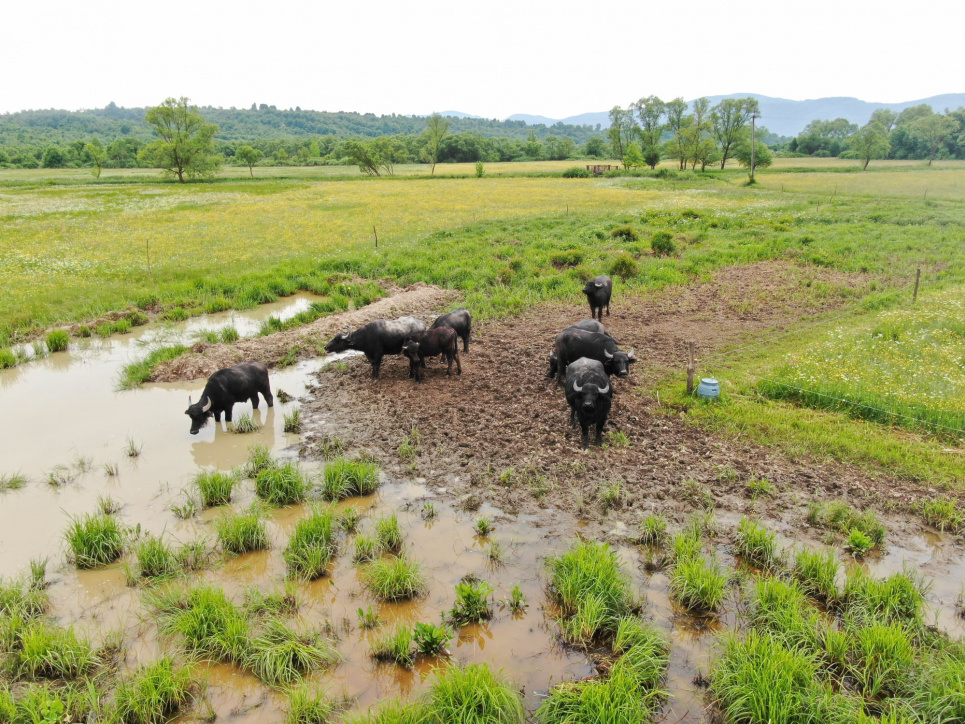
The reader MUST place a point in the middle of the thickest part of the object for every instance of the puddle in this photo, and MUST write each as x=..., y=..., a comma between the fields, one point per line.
x=64, y=410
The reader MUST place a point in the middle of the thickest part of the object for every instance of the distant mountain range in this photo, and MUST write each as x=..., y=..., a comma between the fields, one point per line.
x=780, y=115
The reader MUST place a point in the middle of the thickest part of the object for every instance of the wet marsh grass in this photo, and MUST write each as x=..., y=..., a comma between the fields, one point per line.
x=241, y=533
x=47, y=651
x=309, y=705
x=698, y=584
x=941, y=513
x=12, y=481
x=593, y=593
x=280, y=656
x=395, y=578
x=137, y=373
x=755, y=544
x=281, y=485
x=473, y=694
x=259, y=459
x=365, y=548
x=214, y=487
x=483, y=526
x=245, y=425
x=817, y=573
x=312, y=545
x=132, y=448
x=388, y=533
x=282, y=602
x=95, y=540
x=652, y=530
x=293, y=421
x=472, y=603
x=394, y=646
x=837, y=515
x=155, y=693
x=430, y=639
x=343, y=478
x=203, y=618
x=57, y=340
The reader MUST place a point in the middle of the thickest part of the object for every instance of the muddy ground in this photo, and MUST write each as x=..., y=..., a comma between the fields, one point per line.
x=499, y=433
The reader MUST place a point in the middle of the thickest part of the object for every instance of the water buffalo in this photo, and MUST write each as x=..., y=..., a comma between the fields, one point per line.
x=571, y=344
x=459, y=320
x=226, y=387
x=589, y=395
x=598, y=292
x=587, y=325
x=440, y=341
x=376, y=339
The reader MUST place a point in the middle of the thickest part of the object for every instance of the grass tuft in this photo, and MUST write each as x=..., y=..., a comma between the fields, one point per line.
x=155, y=693
x=12, y=481
x=652, y=530
x=242, y=532
x=431, y=640
x=942, y=513
x=817, y=572
x=312, y=544
x=388, y=533
x=473, y=694
x=698, y=584
x=259, y=459
x=245, y=424
x=293, y=421
x=395, y=579
x=58, y=340
x=308, y=705
x=756, y=545
x=214, y=487
x=349, y=478
x=95, y=540
x=395, y=646
x=366, y=548
x=281, y=656
x=472, y=603
x=281, y=485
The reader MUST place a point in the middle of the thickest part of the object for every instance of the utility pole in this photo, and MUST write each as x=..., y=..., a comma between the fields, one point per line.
x=753, y=140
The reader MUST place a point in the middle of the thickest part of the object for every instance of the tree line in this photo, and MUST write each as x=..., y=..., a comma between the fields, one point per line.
x=917, y=132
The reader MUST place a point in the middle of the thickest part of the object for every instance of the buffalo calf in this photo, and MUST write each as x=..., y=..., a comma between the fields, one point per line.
x=598, y=292
x=432, y=342
x=459, y=320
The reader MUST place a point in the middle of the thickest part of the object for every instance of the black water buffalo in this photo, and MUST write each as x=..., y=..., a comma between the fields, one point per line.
x=598, y=292
x=376, y=339
x=440, y=341
x=226, y=387
x=571, y=344
x=588, y=325
x=459, y=320
x=589, y=395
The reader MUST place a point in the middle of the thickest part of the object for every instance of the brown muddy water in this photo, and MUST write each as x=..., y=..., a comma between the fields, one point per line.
x=63, y=412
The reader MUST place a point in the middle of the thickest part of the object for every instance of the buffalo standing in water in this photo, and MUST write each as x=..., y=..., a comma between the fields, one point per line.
x=226, y=387
x=376, y=339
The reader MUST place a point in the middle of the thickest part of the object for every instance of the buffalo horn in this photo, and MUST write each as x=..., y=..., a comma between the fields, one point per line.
x=189, y=400
x=607, y=354
x=577, y=387
x=630, y=353
x=605, y=389
x=207, y=407
x=597, y=284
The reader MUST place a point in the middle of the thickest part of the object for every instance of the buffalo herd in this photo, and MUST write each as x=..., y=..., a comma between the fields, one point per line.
x=583, y=360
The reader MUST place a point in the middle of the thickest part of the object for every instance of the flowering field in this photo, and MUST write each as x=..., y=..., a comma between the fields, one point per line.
x=905, y=367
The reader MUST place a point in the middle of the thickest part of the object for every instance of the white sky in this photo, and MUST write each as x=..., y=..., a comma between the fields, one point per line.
x=491, y=58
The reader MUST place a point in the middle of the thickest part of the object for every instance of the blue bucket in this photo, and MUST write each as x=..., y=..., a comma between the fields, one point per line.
x=709, y=388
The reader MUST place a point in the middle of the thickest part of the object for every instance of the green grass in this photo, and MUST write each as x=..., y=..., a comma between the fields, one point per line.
x=516, y=601
x=137, y=373
x=395, y=646
x=899, y=598
x=312, y=544
x=95, y=540
x=281, y=485
x=483, y=526
x=259, y=459
x=395, y=578
x=283, y=602
x=882, y=661
x=760, y=487
x=698, y=584
x=388, y=534
x=12, y=481
x=155, y=693
x=472, y=603
x=365, y=548
x=214, y=487
x=155, y=559
x=242, y=532
x=409, y=447
x=293, y=421
x=245, y=425
x=51, y=652
x=57, y=340
x=344, y=478
x=858, y=543
x=430, y=639
x=209, y=624
x=349, y=519
x=652, y=530
x=942, y=513
x=309, y=705
x=838, y=515
x=756, y=545
x=21, y=599
x=817, y=573
x=281, y=656
x=473, y=694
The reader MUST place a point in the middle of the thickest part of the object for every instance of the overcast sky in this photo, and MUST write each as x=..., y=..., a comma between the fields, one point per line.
x=491, y=58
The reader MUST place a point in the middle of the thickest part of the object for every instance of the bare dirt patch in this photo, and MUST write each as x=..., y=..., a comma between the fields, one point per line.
x=500, y=434
x=421, y=300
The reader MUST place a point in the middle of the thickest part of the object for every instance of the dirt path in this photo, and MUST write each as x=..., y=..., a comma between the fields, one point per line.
x=500, y=433
x=420, y=300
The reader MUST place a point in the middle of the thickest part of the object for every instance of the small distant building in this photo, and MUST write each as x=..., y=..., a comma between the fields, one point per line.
x=598, y=169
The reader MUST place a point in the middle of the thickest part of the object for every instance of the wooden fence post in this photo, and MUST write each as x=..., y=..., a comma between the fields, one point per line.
x=376, y=236
x=690, y=368
x=914, y=297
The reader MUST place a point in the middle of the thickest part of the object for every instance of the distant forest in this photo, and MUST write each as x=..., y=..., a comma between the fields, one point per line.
x=58, y=139
x=32, y=139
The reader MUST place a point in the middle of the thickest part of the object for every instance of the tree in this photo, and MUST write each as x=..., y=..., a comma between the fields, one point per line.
x=650, y=112
x=437, y=128
x=633, y=158
x=249, y=156
x=621, y=131
x=886, y=117
x=762, y=155
x=870, y=142
x=696, y=134
x=934, y=130
x=185, y=146
x=677, y=121
x=595, y=147
x=729, y=119
x=54, y=157
x=98, y=155
x=363, y=154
